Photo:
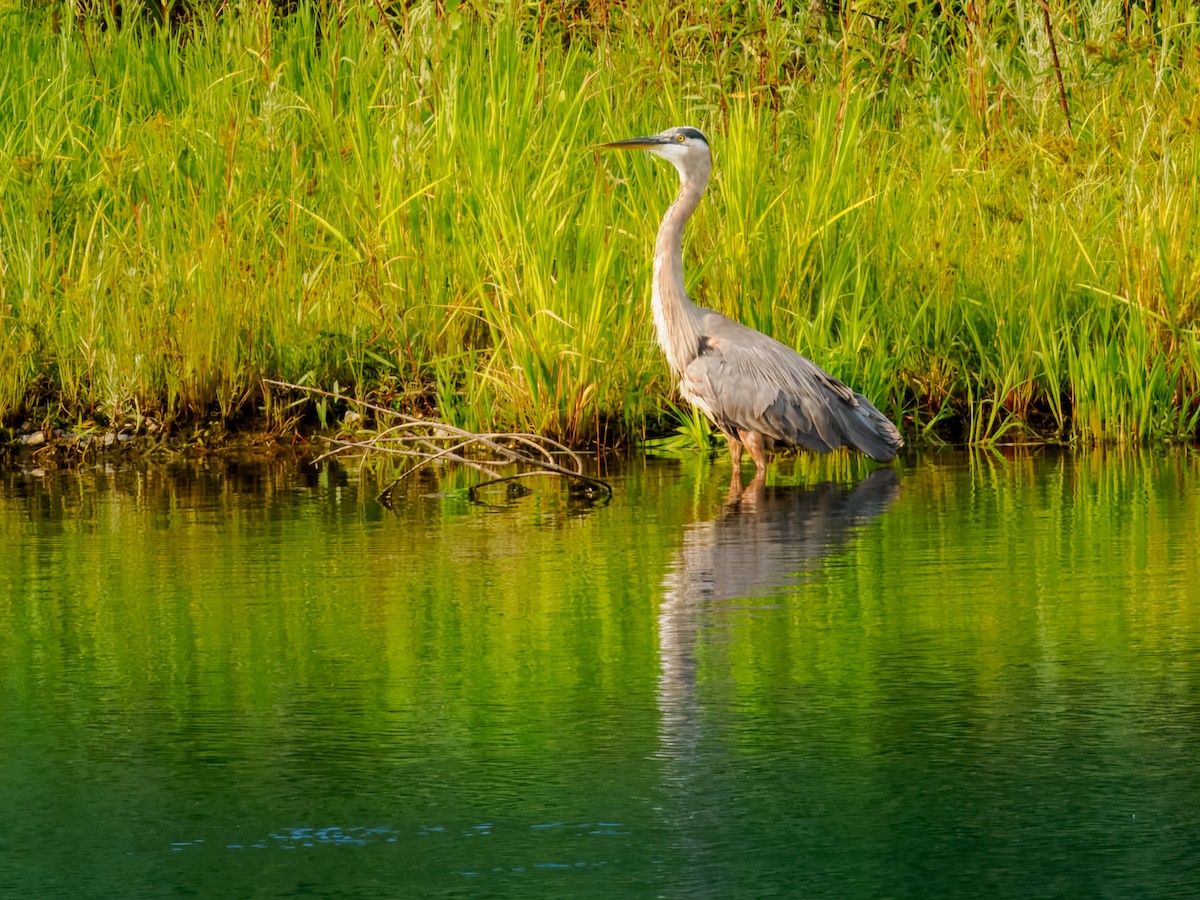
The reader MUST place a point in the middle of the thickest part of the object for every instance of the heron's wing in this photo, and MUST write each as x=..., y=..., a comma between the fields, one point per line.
x=749, y=381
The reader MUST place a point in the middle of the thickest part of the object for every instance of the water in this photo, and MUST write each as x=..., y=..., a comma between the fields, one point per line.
x=979, y=676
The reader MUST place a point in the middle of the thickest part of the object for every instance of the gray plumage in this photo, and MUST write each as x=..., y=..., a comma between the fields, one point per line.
x=758, y=391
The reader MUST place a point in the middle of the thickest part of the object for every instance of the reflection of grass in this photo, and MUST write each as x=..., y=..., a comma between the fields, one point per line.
x=415, y=211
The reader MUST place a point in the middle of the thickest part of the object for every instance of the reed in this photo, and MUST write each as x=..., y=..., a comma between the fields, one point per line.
x=410, y=206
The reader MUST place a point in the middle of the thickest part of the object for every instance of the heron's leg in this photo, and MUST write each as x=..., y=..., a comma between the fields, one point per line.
x=735, y=475
x=754, y=443
x=735, y=452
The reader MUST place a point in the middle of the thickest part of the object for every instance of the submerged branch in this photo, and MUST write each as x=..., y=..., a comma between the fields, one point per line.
x=429, y=441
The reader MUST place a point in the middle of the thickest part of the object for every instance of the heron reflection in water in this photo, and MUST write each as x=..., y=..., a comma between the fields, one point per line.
x=757, y=391
x=765, y=540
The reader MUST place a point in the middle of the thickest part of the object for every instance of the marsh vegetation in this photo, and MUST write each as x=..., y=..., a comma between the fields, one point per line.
x=400, y=202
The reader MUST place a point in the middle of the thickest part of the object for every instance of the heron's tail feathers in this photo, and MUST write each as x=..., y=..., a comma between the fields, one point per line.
x=867, y=429
x=823, y=423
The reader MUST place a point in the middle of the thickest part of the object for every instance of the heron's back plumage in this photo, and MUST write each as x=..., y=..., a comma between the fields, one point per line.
x=747, y=381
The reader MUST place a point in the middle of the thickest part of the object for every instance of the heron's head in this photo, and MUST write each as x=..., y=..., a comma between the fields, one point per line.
x=686, y=148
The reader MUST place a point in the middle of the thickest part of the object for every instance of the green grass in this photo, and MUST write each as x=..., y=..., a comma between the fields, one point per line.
x=413, y=207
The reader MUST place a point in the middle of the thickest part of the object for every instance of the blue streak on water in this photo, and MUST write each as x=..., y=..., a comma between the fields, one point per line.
x=362, y=835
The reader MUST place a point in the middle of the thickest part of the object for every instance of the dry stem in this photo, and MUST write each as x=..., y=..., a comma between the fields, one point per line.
x=429, y=441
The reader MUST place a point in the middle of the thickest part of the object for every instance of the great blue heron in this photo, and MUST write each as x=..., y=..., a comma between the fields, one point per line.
x=756, y=390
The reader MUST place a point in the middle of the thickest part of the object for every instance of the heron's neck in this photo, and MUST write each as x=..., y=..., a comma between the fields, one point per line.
x=674, y=314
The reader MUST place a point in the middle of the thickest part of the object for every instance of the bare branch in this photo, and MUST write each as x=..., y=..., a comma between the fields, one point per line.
x=428, y=441
x=1062, y=91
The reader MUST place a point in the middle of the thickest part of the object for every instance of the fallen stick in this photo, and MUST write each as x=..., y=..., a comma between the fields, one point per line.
x=429, y=441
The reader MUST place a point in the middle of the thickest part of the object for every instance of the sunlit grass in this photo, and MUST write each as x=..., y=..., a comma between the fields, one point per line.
x=415, y=209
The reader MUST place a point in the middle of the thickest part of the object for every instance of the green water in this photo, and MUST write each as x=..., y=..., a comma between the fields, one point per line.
x=976, y=677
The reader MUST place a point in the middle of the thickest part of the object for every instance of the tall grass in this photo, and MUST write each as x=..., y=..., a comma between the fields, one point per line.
x=411, y=207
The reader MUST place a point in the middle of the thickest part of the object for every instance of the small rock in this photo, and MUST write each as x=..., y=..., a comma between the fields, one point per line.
x=352, y=419
x=125, y=436
x=110, y=439
x=34, y=440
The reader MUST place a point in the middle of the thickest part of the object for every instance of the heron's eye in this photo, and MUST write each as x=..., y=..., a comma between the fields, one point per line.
x=679, y=138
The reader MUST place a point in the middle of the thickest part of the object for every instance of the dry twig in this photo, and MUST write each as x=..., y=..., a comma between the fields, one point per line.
x=1062, y=91
x=428, y=441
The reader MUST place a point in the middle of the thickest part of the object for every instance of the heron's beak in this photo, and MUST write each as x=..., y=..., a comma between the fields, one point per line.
x=638, y=143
